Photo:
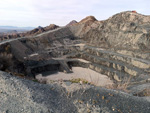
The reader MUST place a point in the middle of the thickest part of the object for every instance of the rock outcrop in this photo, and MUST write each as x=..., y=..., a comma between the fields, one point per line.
x=51, y=27
x=82, y=27
x=88, y=20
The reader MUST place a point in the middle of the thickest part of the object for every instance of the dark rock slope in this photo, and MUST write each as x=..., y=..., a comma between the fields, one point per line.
x=24, y=96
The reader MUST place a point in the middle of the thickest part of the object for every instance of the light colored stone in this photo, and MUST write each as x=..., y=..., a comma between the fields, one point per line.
x=91, y=67
x=114, y=65
x=119, y=67
x=140, y=64
x=116, y=78
x=130, y=71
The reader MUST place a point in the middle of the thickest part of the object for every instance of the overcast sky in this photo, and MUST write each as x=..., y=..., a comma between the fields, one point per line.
x=44, y=12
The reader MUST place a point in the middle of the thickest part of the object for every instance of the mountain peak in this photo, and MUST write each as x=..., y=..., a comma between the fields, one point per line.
x=88, y=19
x=130, y=16
x=73, y=22
x=51, y=27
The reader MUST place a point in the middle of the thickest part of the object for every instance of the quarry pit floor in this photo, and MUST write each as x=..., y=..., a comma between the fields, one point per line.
x=78, y=72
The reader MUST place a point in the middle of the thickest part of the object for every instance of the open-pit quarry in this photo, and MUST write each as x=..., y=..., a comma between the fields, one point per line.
x=90, y=66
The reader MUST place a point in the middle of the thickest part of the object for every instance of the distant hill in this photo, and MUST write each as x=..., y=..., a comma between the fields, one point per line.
x=11, y=29
x=9, y=32
x=15, y=27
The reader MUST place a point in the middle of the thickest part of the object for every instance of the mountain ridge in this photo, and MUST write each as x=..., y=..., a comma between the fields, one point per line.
x=15, y=27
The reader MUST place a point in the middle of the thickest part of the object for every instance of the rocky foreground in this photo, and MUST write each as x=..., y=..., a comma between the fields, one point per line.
x=25, y=96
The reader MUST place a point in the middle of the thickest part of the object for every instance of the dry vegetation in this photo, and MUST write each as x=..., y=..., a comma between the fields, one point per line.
x=145, y=92
x=123, y=85
x=79, y=80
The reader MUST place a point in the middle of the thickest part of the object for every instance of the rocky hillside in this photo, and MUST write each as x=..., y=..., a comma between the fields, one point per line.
x=114, y=45
x=82, y=27
x=124, y=31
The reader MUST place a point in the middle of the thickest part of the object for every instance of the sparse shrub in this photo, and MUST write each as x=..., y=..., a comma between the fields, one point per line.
x=35, y=80
x=8, y=48
x=145, y=92
x=79, y=80
x=18, y=74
